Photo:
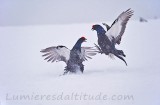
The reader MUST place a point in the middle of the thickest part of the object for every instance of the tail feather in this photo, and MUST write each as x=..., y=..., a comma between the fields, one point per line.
x=120, y=52
x=121, y=58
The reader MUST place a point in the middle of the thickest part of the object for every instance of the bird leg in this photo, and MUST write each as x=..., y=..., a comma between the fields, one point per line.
x=100, y=51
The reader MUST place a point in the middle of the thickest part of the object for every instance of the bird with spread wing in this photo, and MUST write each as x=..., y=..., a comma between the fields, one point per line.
x=73, y=58
x=108, y=39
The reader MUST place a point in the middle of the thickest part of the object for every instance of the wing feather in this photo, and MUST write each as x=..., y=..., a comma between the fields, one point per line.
x=56, y=53
x=119, y=25
x=87, y=52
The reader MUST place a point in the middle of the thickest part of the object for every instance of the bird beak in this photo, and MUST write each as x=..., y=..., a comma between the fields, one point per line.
x=85, y=40
x=92, y=29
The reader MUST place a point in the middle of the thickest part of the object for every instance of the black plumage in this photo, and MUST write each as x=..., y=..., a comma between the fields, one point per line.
x=73, y=58
x=108, y=39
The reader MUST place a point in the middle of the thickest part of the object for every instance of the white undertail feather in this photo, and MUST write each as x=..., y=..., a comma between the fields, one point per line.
x=110, y=55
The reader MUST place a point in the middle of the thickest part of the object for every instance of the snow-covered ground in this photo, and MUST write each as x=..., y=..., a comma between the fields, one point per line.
x=23, y=72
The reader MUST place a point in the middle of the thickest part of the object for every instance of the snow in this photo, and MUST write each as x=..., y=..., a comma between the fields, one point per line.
x=24, y=72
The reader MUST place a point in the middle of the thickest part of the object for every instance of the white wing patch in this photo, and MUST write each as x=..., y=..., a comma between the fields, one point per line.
x=56, y=53
x=118, y=26
x=87, y=52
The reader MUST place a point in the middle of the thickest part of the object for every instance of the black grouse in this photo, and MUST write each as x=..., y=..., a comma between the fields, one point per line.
x=108, y=39
x=73, y=58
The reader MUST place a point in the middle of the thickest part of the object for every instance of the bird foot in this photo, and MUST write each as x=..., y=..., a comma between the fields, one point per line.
x=99, y=49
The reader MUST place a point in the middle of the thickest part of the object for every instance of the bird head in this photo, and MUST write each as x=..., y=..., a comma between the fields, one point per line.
x=78, y=43
x=82, y=39
x=98, y=28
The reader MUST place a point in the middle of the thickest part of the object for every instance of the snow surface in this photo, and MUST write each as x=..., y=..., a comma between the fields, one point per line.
x=24, y=72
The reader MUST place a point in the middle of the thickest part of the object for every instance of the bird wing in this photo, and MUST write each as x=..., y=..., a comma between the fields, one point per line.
x=87, y=52
x=118, y=26
x=56, y=53
x=107, y=26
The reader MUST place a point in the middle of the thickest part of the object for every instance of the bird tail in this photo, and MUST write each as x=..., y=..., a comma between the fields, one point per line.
x=74, y=68
x=120, y=52
x=118, y=56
